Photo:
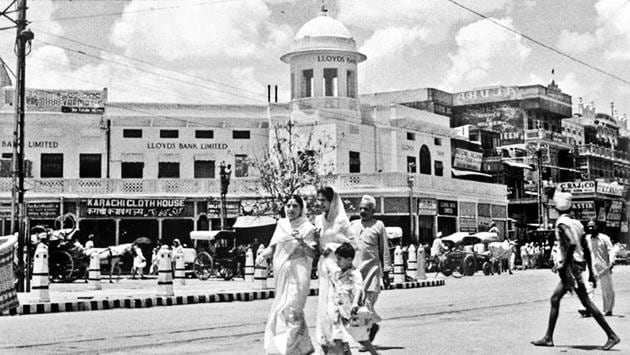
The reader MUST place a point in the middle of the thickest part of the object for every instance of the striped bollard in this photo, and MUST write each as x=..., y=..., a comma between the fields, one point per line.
x=422, y=275
x=260, y=270
x=94, y=272
x=40, y=274
x=412, y=262
x=249, y=265
x=399, y=267
x=180, y=269
x=165, y=276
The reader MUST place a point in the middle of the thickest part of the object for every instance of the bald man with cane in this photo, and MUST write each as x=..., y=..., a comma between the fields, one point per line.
x=372, y=256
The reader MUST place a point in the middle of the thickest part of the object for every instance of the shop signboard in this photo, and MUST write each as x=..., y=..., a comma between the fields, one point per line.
x=43, y=210
x=584, y=210
x=126, y=207
x=66, y=101
x=468, y=224
x=577, y=187
x=232, y=208
x=467, y=159
x=609, y=189
x=601, y=215
x=427, y=207
x=447, y=208
x=613, y=218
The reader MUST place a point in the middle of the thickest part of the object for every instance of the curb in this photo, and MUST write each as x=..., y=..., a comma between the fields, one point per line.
x=156, y=301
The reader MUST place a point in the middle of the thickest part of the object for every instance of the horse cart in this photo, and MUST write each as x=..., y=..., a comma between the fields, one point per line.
x=66, y=261
x=216, y=254
x=478, y=256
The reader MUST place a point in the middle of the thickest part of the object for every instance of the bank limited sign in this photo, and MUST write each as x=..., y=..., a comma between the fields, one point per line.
x=577, y=187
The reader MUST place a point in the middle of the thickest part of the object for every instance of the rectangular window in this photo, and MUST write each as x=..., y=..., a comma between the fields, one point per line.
x=168, y=170
x=240, y=165
x=307, y=83
x=351, y=84
x=439, y=168
x=131, y=170
x=7, y=155
x=51, y=165
x=204, y=134
x=204, y=169
x=411, y=136
x=437, y=141
x=89, y=165
x=169, y=133
x=411, y=164
x=330, y=82
x=292, y=87
x=240, y=134
x=355, y=162
x=132, y=133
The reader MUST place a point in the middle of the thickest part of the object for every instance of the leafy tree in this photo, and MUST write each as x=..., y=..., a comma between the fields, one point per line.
x=294, y=163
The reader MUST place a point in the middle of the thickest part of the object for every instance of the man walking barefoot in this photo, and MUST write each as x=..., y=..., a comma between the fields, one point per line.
x=574, y=257
x=372, y=258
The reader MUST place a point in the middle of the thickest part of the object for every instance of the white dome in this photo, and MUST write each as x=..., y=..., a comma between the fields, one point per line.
x=323, y=26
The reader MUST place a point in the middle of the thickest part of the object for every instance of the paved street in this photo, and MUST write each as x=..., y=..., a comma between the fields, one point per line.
x=479, y=315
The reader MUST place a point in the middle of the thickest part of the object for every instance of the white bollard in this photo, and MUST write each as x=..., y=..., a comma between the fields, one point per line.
x=422, y=275
x=40, y=274
x=412, y=262
x=180, y=269
x=399, y=267
x=260, y=270
x=249, y=265
x=165, y=274
x=94, y=272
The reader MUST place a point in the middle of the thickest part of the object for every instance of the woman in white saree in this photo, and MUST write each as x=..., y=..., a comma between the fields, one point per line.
x=292, y=247
x=334, y=229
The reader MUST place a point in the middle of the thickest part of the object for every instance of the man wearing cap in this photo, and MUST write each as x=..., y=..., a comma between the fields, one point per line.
x=603, y=260
x=493, y=228
x=573, y=258
x=372, y=256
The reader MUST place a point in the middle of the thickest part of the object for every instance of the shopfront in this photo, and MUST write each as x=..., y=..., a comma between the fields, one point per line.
x=447, y=217
x=427, y=210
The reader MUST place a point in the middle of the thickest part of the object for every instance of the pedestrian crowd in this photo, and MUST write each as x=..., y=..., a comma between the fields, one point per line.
x=353, y=259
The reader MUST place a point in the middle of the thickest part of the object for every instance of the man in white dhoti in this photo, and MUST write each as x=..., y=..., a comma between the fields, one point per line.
x=603, y=260
x=372, y=258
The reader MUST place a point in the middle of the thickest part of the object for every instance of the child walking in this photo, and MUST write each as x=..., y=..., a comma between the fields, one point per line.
x=351, y=319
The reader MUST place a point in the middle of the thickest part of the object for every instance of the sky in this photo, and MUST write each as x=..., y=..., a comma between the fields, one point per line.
x=227, y=51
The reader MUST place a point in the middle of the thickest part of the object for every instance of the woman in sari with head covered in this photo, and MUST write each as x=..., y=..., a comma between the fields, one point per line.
x=292, y=248
x=334, y=229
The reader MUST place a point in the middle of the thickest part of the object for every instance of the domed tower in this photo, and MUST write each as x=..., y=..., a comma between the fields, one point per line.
x=323, y=62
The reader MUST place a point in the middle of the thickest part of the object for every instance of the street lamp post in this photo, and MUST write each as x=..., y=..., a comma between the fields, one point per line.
x=410, y=182
x=224, y=172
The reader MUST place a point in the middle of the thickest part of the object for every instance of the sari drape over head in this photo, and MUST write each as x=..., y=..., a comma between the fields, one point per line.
x=292, y=246
x=334, y=229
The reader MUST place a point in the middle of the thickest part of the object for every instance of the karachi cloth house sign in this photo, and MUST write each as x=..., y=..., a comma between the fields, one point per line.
x=124, y=207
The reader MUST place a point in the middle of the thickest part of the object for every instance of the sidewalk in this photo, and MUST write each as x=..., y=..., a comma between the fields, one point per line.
x=128, y=293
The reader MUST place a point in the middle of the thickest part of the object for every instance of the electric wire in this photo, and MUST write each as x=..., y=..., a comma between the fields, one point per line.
x=533, y=40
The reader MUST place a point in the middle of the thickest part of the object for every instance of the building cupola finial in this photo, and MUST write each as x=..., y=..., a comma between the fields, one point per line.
x=323, y=11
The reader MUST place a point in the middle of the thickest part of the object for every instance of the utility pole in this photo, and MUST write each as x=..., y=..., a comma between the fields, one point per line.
x=23, y=36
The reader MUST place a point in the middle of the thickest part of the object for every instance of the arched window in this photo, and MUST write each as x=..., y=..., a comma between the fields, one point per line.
x=425, y=160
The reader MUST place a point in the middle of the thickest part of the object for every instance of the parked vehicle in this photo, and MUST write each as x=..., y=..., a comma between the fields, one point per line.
x=478, y=256
x=622, y=253
x=217, y=254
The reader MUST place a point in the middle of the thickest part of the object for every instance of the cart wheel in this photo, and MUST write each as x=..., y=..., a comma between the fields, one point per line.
x=61, y=266
x=226, y=273
x=203, y=266
x=487, y=268
x=469, y=265
x=457, y=271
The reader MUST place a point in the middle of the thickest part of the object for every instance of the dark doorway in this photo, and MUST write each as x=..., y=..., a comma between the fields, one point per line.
x=177, y=228
x=104, y=231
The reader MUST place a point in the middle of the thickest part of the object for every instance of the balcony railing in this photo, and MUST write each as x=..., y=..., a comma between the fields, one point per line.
x=603, y=152
x=250, y=187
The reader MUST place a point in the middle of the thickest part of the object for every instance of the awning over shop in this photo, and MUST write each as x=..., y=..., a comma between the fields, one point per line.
x=168, y=158
x=204, y=157
x=516, y=164
x=457, y=172
x=132, y=157
x=253, y=221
